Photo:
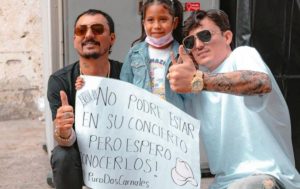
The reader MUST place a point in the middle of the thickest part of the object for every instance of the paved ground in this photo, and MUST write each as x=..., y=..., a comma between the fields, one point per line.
x=23, y=162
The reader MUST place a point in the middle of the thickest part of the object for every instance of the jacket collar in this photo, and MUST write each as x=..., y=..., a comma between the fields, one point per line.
x=142, y=46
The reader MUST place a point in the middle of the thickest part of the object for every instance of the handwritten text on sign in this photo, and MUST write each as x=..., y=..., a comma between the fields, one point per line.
x=131, y=138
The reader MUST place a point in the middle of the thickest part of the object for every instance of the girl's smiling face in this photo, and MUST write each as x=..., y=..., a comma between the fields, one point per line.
x=158, y=21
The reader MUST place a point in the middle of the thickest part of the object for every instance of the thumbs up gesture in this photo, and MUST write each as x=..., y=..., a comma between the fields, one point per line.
x=64, y=117
x=181, y=72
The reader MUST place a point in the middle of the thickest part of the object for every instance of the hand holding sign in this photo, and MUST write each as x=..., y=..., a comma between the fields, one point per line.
x=79, y=83
x=64, y=117
x=181, y=72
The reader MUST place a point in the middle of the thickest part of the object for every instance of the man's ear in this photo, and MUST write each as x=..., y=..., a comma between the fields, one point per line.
x=112, y=38
x=74, y=40
x=228, y=36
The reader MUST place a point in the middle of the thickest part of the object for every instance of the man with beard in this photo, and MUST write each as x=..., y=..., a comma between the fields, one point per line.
x=93, y=38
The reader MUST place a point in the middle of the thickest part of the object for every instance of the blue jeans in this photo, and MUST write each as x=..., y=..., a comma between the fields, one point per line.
x=66, y=168
x=258, y=181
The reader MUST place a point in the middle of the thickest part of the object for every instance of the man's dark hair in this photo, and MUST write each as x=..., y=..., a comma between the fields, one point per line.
x=94, y=12
x=219, y=17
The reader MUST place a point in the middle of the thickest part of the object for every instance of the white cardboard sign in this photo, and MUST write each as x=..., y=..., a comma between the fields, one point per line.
x=130, y=138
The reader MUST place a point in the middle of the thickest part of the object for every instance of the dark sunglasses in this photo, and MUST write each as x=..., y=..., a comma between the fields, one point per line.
x=190, y=41
x=97, y=29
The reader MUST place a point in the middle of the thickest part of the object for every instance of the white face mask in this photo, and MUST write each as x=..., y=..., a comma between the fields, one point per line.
x=159, y=42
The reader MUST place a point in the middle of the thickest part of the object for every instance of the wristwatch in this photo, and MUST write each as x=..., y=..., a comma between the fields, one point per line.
x=197, y=82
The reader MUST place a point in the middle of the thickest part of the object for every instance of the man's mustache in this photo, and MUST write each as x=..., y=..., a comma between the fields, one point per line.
x=91, y=41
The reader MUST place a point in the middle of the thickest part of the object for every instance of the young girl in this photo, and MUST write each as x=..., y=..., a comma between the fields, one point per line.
x=146, y=64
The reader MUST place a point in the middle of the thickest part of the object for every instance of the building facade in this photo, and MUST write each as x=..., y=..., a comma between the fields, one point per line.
x=21, y=67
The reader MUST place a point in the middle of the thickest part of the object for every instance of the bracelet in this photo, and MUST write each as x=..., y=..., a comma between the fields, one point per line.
x=58, y=137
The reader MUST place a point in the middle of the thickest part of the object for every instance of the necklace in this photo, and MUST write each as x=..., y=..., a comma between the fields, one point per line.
x=108, y=73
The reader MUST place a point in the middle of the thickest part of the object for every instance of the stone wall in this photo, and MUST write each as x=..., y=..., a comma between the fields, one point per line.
x=21, y=72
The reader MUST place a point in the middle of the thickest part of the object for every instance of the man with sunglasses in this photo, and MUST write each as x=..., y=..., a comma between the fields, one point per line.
x=93, y=38
x=245, y=122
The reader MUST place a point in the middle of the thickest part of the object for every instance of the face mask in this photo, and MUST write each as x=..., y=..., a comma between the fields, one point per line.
x=159, y=42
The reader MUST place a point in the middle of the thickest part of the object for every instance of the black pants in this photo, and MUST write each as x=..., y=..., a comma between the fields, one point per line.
x=66, y=168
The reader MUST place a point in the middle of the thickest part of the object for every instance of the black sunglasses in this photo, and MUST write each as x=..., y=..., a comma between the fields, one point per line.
x=189, y=41
x=81, y=30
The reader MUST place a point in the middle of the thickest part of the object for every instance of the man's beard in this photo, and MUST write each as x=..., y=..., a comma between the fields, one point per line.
x=91, y=55
x=94, y=55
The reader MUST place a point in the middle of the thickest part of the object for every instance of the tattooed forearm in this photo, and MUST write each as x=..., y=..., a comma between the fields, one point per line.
x=242, y=82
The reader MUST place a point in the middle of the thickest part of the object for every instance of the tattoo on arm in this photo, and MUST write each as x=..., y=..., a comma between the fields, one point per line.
x=242, y=82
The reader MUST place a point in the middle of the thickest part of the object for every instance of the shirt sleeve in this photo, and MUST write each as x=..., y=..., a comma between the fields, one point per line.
x=54, y=87
x=126, y=71
x=247, y=58
x=66, y=142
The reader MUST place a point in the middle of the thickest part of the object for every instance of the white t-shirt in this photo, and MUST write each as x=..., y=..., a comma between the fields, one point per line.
x=158, y=60
x=245, y=135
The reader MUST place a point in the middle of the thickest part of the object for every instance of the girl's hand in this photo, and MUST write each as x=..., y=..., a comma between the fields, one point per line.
x=79, y=83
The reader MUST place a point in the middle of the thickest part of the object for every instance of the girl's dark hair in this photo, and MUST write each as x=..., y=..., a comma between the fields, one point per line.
x=219, y=17
x=92, y=12
x=176, y=10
